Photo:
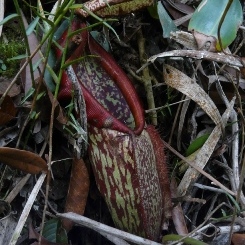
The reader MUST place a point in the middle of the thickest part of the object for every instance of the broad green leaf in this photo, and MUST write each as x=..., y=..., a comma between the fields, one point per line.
x=166, y=22
x=53, y=232
x=196, y=144
x=208, y=15
x=50, y=230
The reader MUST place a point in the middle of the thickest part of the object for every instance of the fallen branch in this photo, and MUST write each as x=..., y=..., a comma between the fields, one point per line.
x=99, y=227
x=198, y=55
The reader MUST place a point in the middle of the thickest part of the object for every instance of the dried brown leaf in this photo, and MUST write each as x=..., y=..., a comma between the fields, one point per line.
x=178, y=80
x=7, y=111
x=199, y=55
x=203, y=155
x=185, y=38
x=4, y=84
x=44, y=106
x=205, y=42
x=26, y=74
x=238, y=239
x=209, y=84
x=23, y=160
x=7, y=222
x=78, y=191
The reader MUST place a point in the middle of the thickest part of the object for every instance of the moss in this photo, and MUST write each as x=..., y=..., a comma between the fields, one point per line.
x=9, y=68
x=11, y=45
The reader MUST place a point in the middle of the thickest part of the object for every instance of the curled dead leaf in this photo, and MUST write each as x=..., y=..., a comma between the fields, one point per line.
x=178, y=80
x=203, y=155
x=23, y=160
x=205, y=42
x=78, y=191
x=47, y=100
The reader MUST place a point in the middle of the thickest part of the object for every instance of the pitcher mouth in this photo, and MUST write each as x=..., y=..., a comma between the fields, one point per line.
x=111, y=99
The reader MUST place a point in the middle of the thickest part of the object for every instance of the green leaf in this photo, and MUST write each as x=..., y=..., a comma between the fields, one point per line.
x=166, y=22
x=53, y=232
x=18, y=57
x=61, y=235
x=153, y=11
x=188, y=240
x=76, y=6
x=76, y=61
x=3, y=67
x=101, y=39
x=9, y=17
x=50, y=230
x=29, y=93
x=61, y=30
x=32, y=26
x=49, y=76
x=208, y=15
x=41, y=95
x=196, y=144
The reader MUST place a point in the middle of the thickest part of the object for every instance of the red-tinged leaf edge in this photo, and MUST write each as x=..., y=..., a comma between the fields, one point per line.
x=23, y=160
x=97, y=114
x=162, y=170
